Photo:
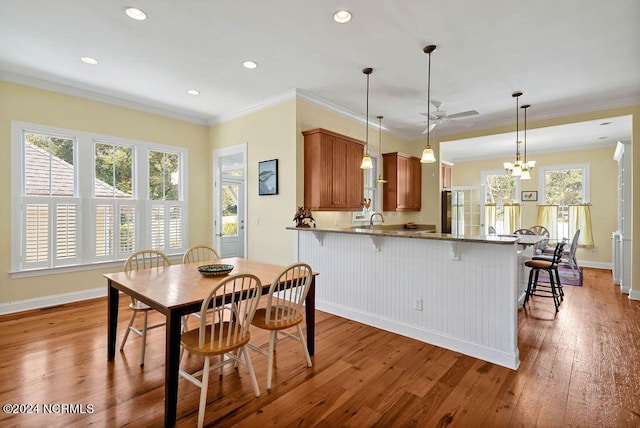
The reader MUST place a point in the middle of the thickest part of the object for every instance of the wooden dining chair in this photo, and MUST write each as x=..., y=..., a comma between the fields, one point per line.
x=541, y=245
x=220, y=332
x=145, y=259
x=200, y=253
x=284, y=310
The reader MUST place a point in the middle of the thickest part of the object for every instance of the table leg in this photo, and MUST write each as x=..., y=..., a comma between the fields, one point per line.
x=172, y=365
x=114, y=300
x=310, y=313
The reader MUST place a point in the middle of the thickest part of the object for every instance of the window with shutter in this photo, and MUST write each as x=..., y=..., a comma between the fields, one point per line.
x=77, y=190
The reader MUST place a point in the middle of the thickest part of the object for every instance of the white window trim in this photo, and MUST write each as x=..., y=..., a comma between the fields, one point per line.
x=83, y=155
x=586, y=177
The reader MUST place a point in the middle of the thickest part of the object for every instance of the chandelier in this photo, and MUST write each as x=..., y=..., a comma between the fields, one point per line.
x=520, y=167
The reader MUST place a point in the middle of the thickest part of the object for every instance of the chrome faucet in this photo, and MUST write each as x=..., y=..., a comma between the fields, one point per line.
x=371, y=219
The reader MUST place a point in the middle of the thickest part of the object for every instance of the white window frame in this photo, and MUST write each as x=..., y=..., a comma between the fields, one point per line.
x=84, y=151
x=586, y=177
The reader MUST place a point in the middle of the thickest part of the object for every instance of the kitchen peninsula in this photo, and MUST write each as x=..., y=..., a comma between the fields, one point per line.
x=456, y=292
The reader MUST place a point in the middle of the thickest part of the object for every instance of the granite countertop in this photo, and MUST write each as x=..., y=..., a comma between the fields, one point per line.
x=398, y=231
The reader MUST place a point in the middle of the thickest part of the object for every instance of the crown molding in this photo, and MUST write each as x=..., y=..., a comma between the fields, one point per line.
x=334, y=108
x=91, y=94
x=266, y=103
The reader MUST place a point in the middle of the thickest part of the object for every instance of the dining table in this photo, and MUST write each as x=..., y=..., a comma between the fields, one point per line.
x=178, y=290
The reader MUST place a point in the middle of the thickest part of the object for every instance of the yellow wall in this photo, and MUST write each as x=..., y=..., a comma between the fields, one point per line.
x=28, y=104
x=603, y=188
x=269, y=134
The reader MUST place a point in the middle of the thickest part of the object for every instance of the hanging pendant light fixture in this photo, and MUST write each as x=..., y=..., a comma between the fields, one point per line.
x=380, y=178
x=366, y=159
x=427, y=153
x=515, y=168
x=527, y=166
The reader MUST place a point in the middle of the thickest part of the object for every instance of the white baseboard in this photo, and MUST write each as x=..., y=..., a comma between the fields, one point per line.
x=634, y=294
x=595, y=265
x=47, y=301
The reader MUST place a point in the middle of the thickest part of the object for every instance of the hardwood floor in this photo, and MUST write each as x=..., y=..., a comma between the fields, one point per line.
x=581, y=369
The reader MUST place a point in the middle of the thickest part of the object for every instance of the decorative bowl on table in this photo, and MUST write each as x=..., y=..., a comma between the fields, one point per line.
x=215, y=269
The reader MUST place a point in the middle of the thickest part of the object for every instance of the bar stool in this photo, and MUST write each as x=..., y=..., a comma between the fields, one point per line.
x=554, y=290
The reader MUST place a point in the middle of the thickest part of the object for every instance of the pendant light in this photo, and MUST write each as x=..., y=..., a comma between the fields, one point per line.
x=366, y=159
x=527, y=166
x=427, y=153
x=515, y=168
x=380, y=178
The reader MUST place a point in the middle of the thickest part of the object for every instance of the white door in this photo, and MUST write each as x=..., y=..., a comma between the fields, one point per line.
x=229, y=201
x=467, y=210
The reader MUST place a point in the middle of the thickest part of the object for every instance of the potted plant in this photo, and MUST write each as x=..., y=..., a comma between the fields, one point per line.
x=303, y=218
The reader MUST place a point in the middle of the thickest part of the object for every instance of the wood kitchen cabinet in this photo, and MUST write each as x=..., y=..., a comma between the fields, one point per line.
x=403, y=190
x=333, y=180
x=446, y=175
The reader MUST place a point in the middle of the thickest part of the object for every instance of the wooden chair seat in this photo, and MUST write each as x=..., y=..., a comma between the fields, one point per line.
x=539, y=264
x=220, y=345
x=138, y=306
x=260, y=320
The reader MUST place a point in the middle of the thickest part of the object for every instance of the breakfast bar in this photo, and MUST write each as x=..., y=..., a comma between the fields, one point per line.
x=456, y=292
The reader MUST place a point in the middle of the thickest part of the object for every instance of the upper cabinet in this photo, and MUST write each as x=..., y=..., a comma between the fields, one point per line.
x=446, y=175
x=333, y=180
x=403, y=190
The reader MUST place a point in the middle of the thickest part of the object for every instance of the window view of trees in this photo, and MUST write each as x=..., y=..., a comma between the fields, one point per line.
x=163, y=176
x=564, y=187
x=230, y=209
x=500, y=190
x=114, y=167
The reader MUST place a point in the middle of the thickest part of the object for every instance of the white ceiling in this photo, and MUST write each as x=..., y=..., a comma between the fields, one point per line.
x=581, y=135
x=566, y=56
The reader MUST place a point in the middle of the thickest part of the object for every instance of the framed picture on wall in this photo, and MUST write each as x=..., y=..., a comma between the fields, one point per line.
x=268, y=177
x=529, y=195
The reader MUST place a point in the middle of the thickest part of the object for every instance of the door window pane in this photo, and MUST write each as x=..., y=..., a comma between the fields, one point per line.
x=230, y=210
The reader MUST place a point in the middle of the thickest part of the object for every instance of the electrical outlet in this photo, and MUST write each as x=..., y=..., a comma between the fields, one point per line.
x=417, y=304
x=255, y=220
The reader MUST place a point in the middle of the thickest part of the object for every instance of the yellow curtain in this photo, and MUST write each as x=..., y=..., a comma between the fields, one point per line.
x=512, y=217
x=548, y=217
x=580, y=218
x=490, y=216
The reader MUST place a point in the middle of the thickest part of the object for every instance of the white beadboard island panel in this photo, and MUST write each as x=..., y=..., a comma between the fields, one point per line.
x=467, y=287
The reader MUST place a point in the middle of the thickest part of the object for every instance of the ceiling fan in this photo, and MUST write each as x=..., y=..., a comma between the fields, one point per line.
x=440, y=117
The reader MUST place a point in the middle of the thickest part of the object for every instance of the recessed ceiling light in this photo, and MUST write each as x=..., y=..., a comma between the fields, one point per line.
x=605, y=123
x=342, y=16
x=250, y=64
x=89, y=60
x=135, y=13
x=193, y=92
